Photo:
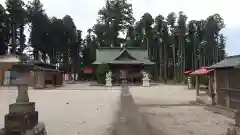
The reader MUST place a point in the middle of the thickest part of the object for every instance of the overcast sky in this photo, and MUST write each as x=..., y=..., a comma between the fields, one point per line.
x=84, y=12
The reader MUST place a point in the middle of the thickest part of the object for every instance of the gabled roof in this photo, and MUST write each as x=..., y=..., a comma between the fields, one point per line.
x=115, y=55
x=124, y=55
x=229, y=62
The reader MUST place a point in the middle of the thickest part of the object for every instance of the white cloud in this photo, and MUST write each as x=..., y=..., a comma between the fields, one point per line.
x=84, y=12
x=194, y=9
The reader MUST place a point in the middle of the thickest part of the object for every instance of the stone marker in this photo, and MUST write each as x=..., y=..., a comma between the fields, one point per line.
x=109, y=79
x=22, y=116
x=145, y=80
x=189, y=82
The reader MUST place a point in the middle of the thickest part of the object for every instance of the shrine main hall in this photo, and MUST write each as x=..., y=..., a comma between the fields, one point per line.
x=125, y=63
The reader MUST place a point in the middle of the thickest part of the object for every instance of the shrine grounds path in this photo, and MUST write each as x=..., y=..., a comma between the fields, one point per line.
x=80, y=109
x=171, y=110
x=70, y=110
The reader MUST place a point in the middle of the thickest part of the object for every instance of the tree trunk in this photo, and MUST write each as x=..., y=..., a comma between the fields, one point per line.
x=194, y=52
x=174, y=61
x=3, y=46
x=165, y=63
x=160, y=61
x=21, y=39
x=182, y=56
x=184, y=59
x=179, y=58
x=14, y=34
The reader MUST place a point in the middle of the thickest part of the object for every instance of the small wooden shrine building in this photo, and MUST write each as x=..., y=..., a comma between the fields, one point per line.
x=45, y=75
x=203, y=71
x=41, y=75
x=6, y=63
x=124, y=63
x=226, y=82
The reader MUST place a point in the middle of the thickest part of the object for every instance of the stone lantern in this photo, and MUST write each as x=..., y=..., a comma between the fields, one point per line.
x=22, y=117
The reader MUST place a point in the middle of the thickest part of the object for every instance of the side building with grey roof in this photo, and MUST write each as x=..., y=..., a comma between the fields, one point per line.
x=226, y=82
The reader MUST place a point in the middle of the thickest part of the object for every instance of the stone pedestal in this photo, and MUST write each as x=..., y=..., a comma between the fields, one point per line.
x=21, y=117
x=22, y=94
x=146, y=82
x=108, y=82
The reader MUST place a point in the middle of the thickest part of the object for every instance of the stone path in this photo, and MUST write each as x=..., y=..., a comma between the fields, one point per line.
x=129, y=121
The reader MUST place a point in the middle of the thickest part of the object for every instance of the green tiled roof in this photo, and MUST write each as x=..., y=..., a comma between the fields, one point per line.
x=130, y=62
x=108, y=55
x=229, y=62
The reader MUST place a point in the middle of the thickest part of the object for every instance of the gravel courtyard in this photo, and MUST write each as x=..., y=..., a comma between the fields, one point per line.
x=79, y=109
x=70, y=112
x=170, y=110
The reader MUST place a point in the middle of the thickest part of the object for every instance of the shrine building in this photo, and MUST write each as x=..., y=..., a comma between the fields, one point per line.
x=125, y=63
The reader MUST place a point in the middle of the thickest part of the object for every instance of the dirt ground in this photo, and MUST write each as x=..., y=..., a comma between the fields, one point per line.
x=70, y=112
x=171, y=110
x=79, y=109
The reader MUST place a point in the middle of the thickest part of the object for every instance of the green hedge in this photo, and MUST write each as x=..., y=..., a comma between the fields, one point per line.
x=101, y=73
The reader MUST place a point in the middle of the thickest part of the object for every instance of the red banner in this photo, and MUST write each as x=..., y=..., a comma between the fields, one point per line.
x=87, y=70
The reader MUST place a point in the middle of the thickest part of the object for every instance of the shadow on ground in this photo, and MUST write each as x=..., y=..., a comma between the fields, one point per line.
x=190, y=103
x=128, y=120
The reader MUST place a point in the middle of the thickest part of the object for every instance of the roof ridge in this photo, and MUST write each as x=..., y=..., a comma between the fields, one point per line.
x=122, y=51
x=100, y=48
x=128, y=48
x=118, y=54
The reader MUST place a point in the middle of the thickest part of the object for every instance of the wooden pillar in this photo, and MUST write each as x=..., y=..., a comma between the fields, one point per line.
x=44, y=78
x=227, y=93
x=197, y=85
x=1, y=76
x=209, y=85
x=36, y=79
x=215, y=86
x=39, y=79
x=227, y=76
x=61, y=83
